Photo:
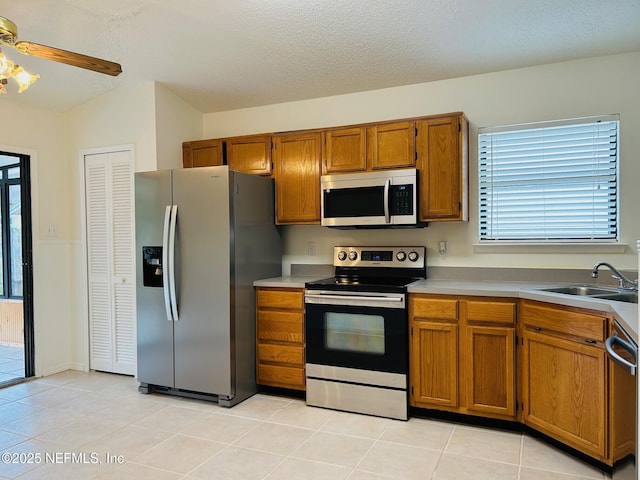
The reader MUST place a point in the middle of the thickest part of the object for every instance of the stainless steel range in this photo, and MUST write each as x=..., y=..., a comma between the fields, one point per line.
x=356, y=327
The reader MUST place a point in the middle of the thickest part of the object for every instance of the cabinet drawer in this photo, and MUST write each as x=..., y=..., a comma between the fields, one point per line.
x=277, y=376
x=439, y=308
x=578, y=324
x=495, y=312
x=280, y=298
x=280, y=326
x=285, y=354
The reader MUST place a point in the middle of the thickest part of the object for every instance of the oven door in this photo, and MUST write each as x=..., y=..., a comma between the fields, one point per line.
x=358, y=330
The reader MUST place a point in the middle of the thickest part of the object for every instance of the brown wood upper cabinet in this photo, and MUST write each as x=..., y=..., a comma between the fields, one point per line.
x=250, y=154
x=202, y=153
x=368, y=148
x=296, y=161
x=436, y=145
x=344, y=151
x=442, y=150
x=391, y=145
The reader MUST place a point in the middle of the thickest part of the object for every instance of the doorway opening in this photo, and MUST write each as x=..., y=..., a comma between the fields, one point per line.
x=16, y=282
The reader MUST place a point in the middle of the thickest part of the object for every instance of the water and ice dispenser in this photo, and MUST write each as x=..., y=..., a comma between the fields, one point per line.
x=152, y=266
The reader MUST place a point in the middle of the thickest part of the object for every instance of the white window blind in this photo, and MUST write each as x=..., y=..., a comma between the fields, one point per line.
x=551, y=181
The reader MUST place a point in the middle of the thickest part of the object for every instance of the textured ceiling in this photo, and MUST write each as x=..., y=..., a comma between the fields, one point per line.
x=227, y=54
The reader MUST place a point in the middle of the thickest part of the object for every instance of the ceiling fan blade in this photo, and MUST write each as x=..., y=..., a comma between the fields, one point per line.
x=69, y=58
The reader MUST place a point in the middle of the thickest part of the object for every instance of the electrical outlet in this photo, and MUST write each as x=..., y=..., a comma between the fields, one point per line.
x=311, y=249
x=53, y=230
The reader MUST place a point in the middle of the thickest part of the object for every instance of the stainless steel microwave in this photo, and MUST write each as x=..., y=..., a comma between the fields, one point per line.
x=370, y=199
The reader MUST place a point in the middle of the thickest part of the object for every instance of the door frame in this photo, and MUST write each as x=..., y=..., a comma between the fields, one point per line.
x=83, y=299
x=32, y=366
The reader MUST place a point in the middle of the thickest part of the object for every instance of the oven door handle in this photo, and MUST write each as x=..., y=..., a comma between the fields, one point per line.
x=355, y=297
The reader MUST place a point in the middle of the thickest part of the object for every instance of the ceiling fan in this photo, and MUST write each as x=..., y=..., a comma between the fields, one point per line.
x=9, y=36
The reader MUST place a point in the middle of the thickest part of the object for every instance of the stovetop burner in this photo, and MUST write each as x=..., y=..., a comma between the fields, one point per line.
x=374, y=269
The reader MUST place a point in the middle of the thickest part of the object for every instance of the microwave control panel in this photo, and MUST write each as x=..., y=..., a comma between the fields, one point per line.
x=401, y=200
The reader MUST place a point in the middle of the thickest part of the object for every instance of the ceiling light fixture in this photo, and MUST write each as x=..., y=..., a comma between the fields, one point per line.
x=10, y=70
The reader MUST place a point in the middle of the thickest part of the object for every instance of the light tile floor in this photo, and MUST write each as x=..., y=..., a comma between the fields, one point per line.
x=11, y=363
x=77, y=425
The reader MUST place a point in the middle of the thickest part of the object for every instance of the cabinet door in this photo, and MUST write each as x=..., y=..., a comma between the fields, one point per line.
x=297, y=175
x=489, y=363
x=344, y=151
x=564, y=387
x=250, y=154
x=434, y=364
x=391, y=145
x=442, y=162
x=202, y=153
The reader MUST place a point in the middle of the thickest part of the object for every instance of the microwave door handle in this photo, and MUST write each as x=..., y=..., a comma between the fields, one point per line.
x=387, y=184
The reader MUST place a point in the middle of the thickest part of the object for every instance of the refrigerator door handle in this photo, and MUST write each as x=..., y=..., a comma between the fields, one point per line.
x=172, y=262
x=165, y=262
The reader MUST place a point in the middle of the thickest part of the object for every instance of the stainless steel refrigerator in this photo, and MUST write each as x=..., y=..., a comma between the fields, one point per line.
x=203, y=235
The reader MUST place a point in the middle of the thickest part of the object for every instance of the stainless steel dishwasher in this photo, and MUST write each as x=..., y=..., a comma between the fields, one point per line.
x=622, y=349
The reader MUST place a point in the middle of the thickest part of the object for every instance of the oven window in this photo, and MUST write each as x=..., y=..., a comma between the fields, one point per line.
x=354, y=332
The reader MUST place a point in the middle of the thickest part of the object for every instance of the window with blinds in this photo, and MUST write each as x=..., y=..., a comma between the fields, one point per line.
x=551, y=181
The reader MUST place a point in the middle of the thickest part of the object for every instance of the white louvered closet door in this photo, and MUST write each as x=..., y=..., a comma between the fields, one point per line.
x=111, y=261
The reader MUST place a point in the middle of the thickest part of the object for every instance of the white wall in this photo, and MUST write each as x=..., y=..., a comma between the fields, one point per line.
x=155, y=122
x=43, y=135
x=565, y=90
x=176, y=122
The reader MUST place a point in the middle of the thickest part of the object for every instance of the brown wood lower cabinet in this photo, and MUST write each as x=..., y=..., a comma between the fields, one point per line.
x=280, y=337
x=564, y=375
x=462, y=355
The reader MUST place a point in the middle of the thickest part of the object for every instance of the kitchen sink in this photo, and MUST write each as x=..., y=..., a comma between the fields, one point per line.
x=630, y=297
x=581, y=290
x=604, y=293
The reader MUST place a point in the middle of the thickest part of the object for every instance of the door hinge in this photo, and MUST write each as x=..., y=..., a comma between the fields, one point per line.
x=416, y=130
x=412, y=390
x=516, y=340
x=459, y=126
x=412, y=331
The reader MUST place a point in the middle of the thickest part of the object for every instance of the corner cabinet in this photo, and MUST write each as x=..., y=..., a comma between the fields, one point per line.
x=462, y=355
x=280, y=337
x=564, y=375
x=296, y=162
x=442, y=161
x=202, y=153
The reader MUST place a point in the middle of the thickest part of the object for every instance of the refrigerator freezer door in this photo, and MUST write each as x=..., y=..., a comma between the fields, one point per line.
x=203, y=335
x=155, y=333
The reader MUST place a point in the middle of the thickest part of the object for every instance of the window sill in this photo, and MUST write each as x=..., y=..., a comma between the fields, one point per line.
x=547, y=247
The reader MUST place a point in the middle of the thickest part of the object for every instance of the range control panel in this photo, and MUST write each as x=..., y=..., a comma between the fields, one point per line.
x=398, y=257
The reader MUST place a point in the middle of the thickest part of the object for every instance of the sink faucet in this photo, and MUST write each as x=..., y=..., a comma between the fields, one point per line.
x=623, y=282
